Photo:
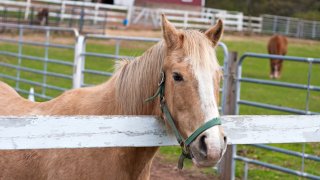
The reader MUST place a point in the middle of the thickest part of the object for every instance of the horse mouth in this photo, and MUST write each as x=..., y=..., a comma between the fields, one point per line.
x=209, y=160
x=206, y=162
x=203, y=164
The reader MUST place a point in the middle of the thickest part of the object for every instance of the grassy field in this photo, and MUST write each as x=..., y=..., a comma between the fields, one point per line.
x=257, y=68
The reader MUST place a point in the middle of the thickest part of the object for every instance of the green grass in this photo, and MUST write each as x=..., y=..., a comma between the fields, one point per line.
x=252, y=67
x=293, y=72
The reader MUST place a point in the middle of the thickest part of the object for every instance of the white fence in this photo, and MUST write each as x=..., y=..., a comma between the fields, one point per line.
x=69, y=11
x=119, y=15
x=253, y=24
x=233, y=21
x=39, y=132
x=115, y=15
x=94, y=11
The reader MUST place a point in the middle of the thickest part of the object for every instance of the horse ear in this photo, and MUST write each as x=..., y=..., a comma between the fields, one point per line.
x=215, y=33
x=170, y=33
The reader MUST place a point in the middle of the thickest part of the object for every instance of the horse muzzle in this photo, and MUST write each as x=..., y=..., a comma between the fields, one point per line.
x=209, y=147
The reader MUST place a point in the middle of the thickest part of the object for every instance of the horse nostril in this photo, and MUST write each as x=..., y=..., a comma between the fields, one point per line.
x=203, y=146
x=225, y=139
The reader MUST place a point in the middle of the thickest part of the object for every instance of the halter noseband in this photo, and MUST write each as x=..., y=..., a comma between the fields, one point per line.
x=184, y=143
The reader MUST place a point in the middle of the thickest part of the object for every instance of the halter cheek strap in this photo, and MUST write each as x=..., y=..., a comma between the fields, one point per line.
x=184, y=143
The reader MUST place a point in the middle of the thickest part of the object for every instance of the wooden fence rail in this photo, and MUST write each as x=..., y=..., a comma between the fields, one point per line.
x=41, y=132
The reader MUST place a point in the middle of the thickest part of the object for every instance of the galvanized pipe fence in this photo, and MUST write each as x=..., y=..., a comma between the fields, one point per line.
x=307, y=87
x=289, y=26
x=20, y=68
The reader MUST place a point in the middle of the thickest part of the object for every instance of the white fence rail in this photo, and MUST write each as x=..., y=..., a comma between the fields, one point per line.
x=38, y=132
x=253, y=24
x=204, y=19
x=96, y=12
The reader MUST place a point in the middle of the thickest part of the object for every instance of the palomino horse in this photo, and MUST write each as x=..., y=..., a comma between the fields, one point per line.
x=187, y=60
x=277, y=45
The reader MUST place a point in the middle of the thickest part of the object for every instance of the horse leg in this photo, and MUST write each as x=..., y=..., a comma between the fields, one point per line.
x=280, y=67
x=271, y=72
x=277, y=69
x=272, y=65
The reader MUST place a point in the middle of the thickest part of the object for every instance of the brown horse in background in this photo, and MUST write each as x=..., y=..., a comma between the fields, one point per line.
x=43, y=17
x=278, y=45
x=188, y=61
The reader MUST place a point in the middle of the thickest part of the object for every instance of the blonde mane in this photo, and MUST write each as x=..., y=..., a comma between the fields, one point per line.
x=138, y=79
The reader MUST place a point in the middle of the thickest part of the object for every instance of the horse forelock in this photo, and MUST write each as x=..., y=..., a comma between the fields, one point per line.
x=202, y=57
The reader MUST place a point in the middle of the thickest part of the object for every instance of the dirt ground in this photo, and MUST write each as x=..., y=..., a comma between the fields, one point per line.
x=163, y=170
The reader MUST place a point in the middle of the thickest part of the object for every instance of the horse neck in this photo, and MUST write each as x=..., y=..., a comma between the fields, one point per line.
x=137, y=80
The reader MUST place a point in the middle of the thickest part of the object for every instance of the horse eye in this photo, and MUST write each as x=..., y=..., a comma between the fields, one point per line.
x=177, y=77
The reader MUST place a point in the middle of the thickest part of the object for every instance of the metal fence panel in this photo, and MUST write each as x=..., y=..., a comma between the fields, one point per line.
x=23, y=57
x=306, y=87
x=291, y=26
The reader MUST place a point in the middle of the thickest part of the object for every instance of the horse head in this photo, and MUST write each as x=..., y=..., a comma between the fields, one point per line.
x=191, y=76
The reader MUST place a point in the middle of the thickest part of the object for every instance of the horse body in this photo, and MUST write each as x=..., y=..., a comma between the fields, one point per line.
x=124, y=94
x=90, y=163
x=277, y=45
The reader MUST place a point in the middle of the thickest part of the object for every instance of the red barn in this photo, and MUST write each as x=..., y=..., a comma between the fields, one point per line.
x=185, y=4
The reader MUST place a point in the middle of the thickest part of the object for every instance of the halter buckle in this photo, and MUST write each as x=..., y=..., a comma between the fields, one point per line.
x=161, y=78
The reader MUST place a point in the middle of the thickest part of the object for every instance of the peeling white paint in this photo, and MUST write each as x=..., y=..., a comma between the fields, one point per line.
x=39, y=132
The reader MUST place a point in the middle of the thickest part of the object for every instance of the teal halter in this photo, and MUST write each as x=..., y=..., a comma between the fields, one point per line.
x=184, y=143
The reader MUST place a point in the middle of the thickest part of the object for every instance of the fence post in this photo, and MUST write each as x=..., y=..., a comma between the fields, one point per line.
x=314, y=29
x=19, y=16
x=96, y=13
x=240, y=22
x=288, y=26
x=26, y=15
x=78, y=63
x=104, y=22
x=71, y=17
x=275, y=24
x=185, y=20
x=298, y=29
x=302, y=29
x=81, y=20
x=227, y=164
x=31, y=16
x=62, y=11
x=5, y=15
x=130, y=13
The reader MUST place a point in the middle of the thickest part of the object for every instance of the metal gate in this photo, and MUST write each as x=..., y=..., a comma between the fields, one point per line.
x=15, y=65
x=307, y=87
